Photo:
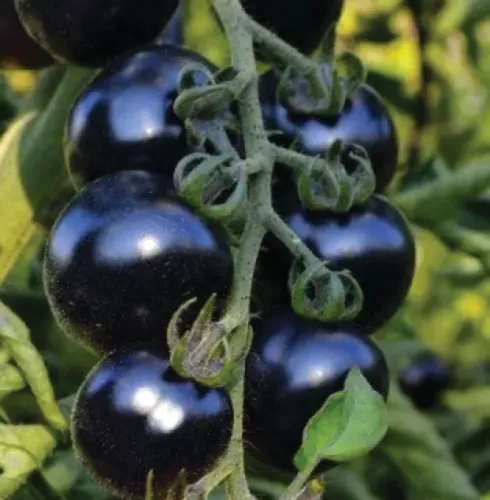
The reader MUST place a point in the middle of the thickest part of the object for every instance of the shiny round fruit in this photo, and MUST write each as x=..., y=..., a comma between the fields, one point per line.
x=17, y=49
x=134, y=414
x=425, y=380
x=293, y=368
x=372, y=241
x=91, y=32
x=124, y=120
x=365, y=120
x=302, y=25
x=125, y=255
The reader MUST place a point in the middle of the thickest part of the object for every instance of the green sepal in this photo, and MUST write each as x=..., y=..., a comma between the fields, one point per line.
x=202, y=179
x=199, y=353
x=337, y=295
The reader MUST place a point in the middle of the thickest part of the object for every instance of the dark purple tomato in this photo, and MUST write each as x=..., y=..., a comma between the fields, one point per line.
x=294, y=366
x=425, y=380
x=372, y=241
x=123, y=257
x=17, y=49
x=134, y=414
x=91, y=32
x=124, y=120
x=173, y=32
x=365, y=120
x=302, y=25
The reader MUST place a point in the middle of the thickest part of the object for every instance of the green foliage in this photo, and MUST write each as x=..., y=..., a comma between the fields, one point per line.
x=350, y=424
x=15, y=337
x=23, y=448
x=422, y=457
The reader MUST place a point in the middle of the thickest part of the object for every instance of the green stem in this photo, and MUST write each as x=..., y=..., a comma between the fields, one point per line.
x=279, y=47
x=289, y=56
x=292, y=159
x=295, y=489
x=284, y=233
x=258, y=149
x=238, y=309
x=427, y=204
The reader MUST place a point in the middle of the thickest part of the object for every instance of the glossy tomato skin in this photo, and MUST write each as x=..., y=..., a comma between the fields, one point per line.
x=293, y=367
x=301, y=25
x=17, y=49
x=365, y=120
x=123, y=257
x=425, y=380
x=91, y=33
x=373, y=241
x=124, y=119
x=134, y=414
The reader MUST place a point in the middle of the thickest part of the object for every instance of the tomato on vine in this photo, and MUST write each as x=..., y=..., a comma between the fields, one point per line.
x=90, y=33
x=125, y=255
x=292, y=369
x=373, y=241
x=124, y=120
x=365, y=120
x=134, y=414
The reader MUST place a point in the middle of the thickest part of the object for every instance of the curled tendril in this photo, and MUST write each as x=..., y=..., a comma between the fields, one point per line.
x=204, y=98
x=322, y=294
x=362, y=178
x=215, y=185
x=350, y=72
x=203, y=351
x=194, y=75
x=328, y=185
x=318, y=187
x=296, y=90
x=302, y=92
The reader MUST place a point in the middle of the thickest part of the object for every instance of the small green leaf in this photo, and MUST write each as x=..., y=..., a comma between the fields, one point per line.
x=10, y=380
x=14, y=335
x=23, y=448
x=349, y=425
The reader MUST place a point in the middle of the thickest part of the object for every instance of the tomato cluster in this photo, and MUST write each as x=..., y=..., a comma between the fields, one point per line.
x=128, y=251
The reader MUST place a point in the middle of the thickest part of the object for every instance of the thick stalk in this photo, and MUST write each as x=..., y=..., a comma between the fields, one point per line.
x=257, y=147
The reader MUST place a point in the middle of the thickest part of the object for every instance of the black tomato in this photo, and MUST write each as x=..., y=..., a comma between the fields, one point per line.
x=365, y=120
x=301, y=25
x=373, y=241
x=90, y=33
x=17, y=49
x=424, y=381
x=124, y=120
x=293, y=367
x=124, y=255
x=173, y=32
x=134, y=414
